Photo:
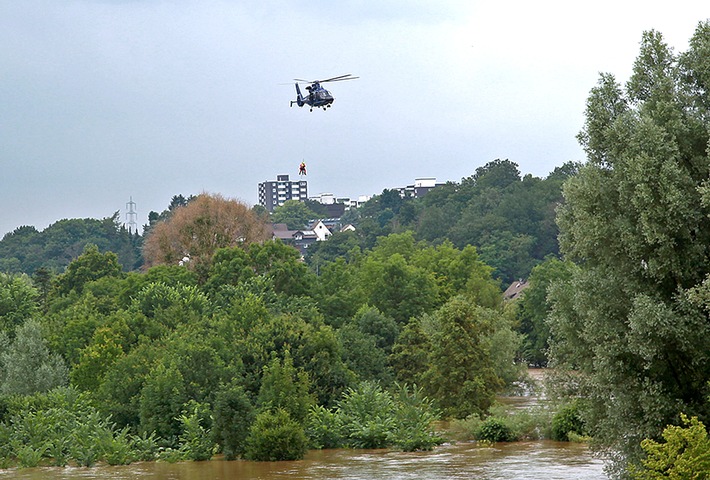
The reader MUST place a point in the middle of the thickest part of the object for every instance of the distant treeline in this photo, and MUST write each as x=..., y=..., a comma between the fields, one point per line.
x=26, y=249
x=510, y=220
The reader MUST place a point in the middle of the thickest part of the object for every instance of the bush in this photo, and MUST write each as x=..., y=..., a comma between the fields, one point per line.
x=233, y=415
x=368, y=416
x=465, y=429
x=567, y=419
x=5, y=447
x=62, y=426
x=324, y=428
x=145, y=447
x=117, y=447
x=494, y=429
x=29, y=456
x=195, y=440
x=275, y=436
x=414, y=415
x=685, y=453
x=524, y=424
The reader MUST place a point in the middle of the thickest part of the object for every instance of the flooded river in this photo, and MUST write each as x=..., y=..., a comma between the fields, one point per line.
x=520, y=461
x=536, y=460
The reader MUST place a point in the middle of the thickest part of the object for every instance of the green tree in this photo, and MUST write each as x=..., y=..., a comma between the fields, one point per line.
x=384, y=329
x=410, y=353
x=90, y=265
x=534, y=309
x=27, y=250
x=294, y=213
x=71, y=328
x=230, y=266
x=161, y=402
x=362, y=355
x=368, y=416
x=414, y=418
x=632, y=320
x=321, y=356
x=18, y=301
x=284, y=387
x=275, y=436
x=26, y=364
x=189, y=347
x=96, y=358
x=459, y=271
x=345, y=245
x=233, y=415
x=339, y=292
x=498, y=173
x=396, y=287
x=283, y=265
x=119, y=394
x=196, y=438
x=461, y=374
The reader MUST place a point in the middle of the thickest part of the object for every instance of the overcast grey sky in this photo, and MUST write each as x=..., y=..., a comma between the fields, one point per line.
x=101, y=101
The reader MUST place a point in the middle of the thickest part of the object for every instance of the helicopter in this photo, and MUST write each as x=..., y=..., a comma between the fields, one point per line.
x=317, y=96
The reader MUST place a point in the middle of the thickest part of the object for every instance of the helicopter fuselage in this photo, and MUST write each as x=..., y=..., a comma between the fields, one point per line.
x=317, y=97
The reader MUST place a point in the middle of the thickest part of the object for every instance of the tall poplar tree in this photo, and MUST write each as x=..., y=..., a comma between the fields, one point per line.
x=634, y=319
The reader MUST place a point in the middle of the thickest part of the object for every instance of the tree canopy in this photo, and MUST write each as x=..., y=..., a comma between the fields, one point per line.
x=26, y=250
x=195, y=231
x=509, y=219
x=633, y=319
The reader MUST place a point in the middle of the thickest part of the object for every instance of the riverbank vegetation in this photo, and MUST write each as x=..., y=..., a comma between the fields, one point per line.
x=239, y=353
x=231, y=343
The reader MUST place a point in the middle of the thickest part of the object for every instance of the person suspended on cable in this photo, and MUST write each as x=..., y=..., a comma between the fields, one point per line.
x=302, y=168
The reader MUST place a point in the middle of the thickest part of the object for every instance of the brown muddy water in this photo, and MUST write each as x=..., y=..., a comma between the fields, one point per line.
x=535, y=460
x=520, y=461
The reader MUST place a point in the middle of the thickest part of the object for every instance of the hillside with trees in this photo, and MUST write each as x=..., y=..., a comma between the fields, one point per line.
x=26, y=250
x=508, y=218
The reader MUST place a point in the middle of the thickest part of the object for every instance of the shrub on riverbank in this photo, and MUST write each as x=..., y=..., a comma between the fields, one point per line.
x=684, y=453
x=62, y=427
x=494, y=429
x=275, y=436
x=504, y=426
x=568, y=423
x=370, y=417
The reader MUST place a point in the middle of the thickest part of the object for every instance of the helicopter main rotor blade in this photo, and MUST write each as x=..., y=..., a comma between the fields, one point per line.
x=339, y=78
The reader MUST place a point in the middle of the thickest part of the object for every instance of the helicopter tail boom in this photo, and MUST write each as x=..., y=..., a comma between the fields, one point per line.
x=299, y=98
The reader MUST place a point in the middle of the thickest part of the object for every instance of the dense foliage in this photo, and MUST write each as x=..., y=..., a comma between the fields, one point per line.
x=27, y=250
x=632, y=320
x=683, y=453
x=509, y=219
x=194, y=232
x=256, y=356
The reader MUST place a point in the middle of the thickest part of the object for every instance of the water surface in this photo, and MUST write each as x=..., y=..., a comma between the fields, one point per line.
x=521, y=460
